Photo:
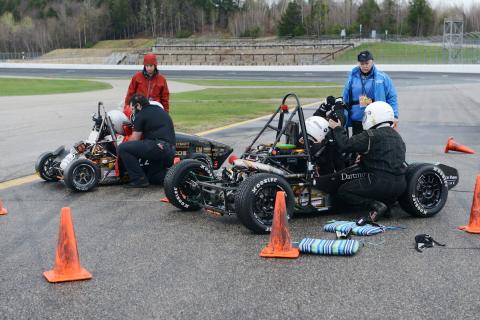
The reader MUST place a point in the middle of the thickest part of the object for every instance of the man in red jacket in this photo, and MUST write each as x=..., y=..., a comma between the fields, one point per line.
x=149, y=83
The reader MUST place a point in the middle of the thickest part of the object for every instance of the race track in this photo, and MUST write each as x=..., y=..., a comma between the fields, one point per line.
x=150, y=261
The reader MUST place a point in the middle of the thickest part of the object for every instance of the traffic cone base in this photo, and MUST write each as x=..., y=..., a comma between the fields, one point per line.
x=280, y=244
x=53, y=276
x=268, y=252
x=165, y=200
x=454, y=146
x=474, y=222
x=3, y=210
x=67, y=262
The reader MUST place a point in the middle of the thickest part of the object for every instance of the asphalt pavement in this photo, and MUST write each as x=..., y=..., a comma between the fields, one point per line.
x=151, y=261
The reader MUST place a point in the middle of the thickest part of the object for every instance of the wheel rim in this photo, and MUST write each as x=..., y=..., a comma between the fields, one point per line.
x=84, y=175
x=264, y=204
x=47, y=168
x=429, y=190
x=189, y=189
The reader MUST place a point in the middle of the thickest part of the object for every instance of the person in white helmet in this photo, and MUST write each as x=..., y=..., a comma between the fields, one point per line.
x=324, y=153
x=382, y=156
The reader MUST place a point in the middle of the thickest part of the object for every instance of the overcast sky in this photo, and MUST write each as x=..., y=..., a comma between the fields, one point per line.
x=445, y=3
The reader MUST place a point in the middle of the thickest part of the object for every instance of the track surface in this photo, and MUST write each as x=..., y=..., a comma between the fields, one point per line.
x=151, y=261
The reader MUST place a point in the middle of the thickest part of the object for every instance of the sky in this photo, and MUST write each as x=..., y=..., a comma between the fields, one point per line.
x=466, y=3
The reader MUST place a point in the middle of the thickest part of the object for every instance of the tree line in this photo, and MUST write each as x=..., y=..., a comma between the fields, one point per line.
x=43, y=25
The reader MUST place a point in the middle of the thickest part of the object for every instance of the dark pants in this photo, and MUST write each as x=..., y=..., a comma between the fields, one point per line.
x=364, y=191
x=357, y=127
x=159, y=159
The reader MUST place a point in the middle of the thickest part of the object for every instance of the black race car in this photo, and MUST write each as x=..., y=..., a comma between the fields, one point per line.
x=248, y=187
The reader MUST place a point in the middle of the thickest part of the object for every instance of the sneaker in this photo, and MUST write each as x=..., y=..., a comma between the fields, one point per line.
x=379, y=210
x=140, y=183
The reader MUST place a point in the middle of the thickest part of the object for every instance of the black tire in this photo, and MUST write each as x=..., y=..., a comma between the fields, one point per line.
x=426, y=192
x=81, y=175
x=203, y=158
x=255, y=201
x=180, y=183
x=45, y=167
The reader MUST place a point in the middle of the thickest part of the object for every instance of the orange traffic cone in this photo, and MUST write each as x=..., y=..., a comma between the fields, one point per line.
x=3, y=210
x=165, y=200
x=474, y=223
x=453, y=146
x=280, y=245
x=67, y=263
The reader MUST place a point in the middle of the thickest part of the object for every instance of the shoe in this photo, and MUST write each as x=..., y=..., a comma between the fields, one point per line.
x=140, y=183
x=379, y=210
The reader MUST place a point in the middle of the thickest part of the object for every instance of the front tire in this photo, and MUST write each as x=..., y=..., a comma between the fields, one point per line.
x=426, y=192
x=255, y=201
x=81, y=175
x=45, y=167
x=181, y=186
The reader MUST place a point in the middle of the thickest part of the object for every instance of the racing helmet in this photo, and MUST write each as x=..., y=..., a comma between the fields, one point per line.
x=118, y=119
x=377, y=113
x=317, y=128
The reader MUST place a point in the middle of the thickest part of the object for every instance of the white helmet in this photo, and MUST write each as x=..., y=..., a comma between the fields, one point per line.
x=376, y=113
x=118, y=119
x=317, y=128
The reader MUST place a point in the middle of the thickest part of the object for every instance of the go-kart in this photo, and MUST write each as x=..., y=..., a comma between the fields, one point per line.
x=94, y=161
x=248, y=187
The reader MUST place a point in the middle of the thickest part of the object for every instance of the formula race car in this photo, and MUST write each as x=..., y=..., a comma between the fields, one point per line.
x=248, y=187
x=94, y=161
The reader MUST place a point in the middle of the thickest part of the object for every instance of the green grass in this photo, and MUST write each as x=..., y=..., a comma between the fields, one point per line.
x=28, y=87
x=393, y=52
x=126, y=43
x=210, y=108
x=265, y=83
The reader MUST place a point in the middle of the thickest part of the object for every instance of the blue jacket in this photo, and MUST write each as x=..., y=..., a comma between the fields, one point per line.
x=378, y=86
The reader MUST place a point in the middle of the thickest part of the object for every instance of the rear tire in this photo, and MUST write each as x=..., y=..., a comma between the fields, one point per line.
x=426, y=192
x=180, y=184
x=81, y=175
x=255, y=201
x=45, y=167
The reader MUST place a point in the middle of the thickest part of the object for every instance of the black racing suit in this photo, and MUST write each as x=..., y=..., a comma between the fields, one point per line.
x=157, y=146
x=382, y=153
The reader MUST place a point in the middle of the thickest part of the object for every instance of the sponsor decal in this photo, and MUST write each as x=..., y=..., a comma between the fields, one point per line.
x=179, y=198
x=345, y=176
x=418, y=205
x=261, y=183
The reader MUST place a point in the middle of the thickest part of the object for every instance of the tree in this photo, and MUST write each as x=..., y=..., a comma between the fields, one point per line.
x=291, y=21
x=368, y=15
x=389, y=16
x=420, y=17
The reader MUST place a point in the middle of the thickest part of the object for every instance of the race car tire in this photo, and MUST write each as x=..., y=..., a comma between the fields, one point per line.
x=426, y=192
x=44, y=168
x=180, y=186
x=255, y=201
x=203, y=158
x=81, y=175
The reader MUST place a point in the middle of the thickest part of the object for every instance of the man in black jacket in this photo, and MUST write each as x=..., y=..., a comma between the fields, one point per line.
x=382, y=157
x=157, y=146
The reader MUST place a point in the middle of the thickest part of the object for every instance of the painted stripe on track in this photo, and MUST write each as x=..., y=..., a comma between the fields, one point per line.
x=32, y=178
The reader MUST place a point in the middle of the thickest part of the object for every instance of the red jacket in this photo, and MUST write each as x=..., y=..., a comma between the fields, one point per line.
x=154, y=89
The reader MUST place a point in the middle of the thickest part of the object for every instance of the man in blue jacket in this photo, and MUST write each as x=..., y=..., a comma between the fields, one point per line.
x=367, y=84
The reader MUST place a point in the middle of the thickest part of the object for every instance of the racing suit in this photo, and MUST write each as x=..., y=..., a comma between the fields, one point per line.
x=382, y=153
x=376, y=85
x=153, y=87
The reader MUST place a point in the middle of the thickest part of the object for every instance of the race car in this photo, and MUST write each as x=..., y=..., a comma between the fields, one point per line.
x=248, y=187
x=94, y=161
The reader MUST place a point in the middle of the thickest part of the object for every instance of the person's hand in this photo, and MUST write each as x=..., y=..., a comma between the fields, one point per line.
x=333, y=124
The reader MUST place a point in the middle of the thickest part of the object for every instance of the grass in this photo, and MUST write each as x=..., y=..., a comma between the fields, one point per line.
x=265, y=83
x=393, y=52
x=126, y=43
x=28, y=87
x=210, y=108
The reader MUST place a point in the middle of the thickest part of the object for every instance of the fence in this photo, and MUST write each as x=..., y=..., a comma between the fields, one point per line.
x=18, y=55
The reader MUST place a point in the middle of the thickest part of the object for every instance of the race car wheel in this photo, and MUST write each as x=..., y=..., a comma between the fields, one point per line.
x=203, y=158
x=45, y=167
x=426, y=192
x=81, y=175
x=255, y=201
x=181, y=186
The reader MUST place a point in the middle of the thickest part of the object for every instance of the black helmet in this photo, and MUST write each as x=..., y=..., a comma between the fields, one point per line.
x=138, y=98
